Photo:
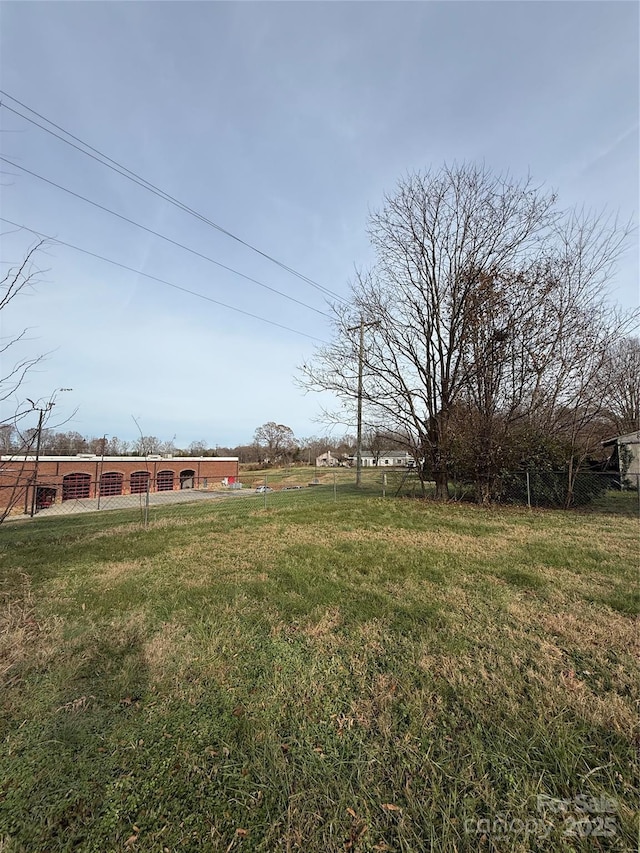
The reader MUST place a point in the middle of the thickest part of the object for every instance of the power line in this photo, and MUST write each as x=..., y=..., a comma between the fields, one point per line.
x=140, y=181
x=163, y=237
x=159, y=280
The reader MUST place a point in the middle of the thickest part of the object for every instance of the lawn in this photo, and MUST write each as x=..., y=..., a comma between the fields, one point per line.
x=364, y=675
x=302, y=475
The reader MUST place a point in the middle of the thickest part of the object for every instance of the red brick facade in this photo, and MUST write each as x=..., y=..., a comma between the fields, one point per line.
x=60, y=478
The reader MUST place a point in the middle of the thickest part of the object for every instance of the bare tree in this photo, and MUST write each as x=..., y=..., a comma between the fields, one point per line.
x=19, y=470
x=484, y=296
x=21, y=434
x=377, y=442
x=16, y=281
x=246, y=453
x=434, y=239
x=168, y=448
x=568, y=356
x=277, y=441
x=147, y=445
x=8, y=438
x=198, y=448
x=67, y=443
x=346, y=446
x=622, y=395
x=117, y=446
x=314, y=446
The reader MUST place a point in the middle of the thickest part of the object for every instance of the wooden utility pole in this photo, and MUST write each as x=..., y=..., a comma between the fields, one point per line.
x=46, y=409
x=361, y=327
x=99, y=483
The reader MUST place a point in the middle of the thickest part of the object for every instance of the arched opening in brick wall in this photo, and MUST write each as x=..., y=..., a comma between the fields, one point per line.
x=45, y=497
x=187, y=479
x=75, y=487
x=139, y=482
x=164, y=481
x=111, y=483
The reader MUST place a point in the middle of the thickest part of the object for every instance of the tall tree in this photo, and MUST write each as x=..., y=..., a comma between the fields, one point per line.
x=277, y=441
x=63, y=443
x=484, y=294
x=117, y=446
x=147, y=445
x=198, y=448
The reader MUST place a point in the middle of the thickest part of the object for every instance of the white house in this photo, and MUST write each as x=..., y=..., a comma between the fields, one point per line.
x=327, y=460
x=389, y=459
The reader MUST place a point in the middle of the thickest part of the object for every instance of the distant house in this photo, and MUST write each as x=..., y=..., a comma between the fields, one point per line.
x=389, y=459
x=327, y=460
x=626, y=457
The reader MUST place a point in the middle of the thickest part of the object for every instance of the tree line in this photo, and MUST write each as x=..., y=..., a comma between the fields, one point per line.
x=273, y=444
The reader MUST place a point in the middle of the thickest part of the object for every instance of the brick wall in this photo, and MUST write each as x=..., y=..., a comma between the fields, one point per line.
x=17, y=474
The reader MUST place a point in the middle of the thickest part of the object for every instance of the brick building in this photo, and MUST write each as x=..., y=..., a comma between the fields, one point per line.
x=25, y=484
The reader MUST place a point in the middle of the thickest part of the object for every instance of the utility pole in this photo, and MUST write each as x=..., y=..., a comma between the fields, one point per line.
x=99, y=483
x=35, y=467
x=361, y=327
x=43, y=411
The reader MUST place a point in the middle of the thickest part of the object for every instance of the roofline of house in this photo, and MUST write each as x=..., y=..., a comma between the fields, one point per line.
x=627, y=438
x=368, y=454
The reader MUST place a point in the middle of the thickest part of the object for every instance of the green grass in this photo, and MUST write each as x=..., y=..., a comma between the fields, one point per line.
x=359, y=675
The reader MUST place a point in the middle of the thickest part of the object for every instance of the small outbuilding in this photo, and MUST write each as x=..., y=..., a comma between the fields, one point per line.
x=625, y=458
x=327, y=460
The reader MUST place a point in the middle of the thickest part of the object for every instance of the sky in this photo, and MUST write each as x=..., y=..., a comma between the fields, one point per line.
x=284, y=124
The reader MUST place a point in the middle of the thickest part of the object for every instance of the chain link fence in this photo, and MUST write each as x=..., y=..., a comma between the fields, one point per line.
x=535, y=489
x=148, y=501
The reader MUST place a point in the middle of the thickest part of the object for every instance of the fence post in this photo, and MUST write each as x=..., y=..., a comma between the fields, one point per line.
x=335, y=490
x=384, y=485
x=528, y=491
x=265, y=491
x=146, y=503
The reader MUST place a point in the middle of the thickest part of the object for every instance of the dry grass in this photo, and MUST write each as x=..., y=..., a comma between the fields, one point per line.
x=26, y=638
x=363, y=677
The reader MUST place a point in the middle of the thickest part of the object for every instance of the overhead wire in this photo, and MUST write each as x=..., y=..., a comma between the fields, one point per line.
x=163, y=236
x=43, y=236
x=115, y=166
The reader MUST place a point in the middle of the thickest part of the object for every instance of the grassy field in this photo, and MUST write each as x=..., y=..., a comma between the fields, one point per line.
x=302, y=475
x=366, y=675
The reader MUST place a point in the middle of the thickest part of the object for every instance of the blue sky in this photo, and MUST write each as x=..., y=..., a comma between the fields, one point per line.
x=285, y=123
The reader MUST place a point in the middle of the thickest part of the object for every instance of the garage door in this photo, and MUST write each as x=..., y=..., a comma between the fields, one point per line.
x=76, y=486
x=164, y=480
x=139, y=482
x=111, y=483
